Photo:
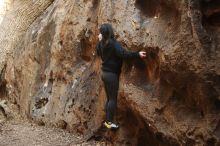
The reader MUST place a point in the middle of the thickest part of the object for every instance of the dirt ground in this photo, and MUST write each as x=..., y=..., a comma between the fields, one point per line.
x=24, y=133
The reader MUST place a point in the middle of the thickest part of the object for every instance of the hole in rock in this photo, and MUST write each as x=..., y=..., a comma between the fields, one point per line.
x=155, y=8
x=148, y=7
x=214, y=19
x=217, y=103
x=86, y=47
x=211, y=142
x=95, y=3
x=3, y=90
x=2, y=113
x=153, y=64
x=41, y=103
x=3, y=83
x=145, y=72
x=63, y=124
x=85, y=54
x=211, y=12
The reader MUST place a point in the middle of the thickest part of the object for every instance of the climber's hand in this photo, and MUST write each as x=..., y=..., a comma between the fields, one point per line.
x=142, y=54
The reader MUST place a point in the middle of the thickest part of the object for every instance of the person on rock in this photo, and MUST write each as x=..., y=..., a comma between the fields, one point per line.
x=112, y=55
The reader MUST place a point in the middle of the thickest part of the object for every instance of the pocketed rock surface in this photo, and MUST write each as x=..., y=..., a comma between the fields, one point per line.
x=50, y=70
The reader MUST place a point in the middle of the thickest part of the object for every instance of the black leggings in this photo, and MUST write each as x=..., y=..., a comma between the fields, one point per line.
x=111, y=84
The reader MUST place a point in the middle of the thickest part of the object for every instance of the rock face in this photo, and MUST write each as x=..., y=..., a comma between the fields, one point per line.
x=170, y=98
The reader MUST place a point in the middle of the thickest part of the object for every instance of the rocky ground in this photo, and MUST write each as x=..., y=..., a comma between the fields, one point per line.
x=26, y=133
x=20, y=133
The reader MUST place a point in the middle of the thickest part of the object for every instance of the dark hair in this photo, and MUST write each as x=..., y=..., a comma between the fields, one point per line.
x=107, y=34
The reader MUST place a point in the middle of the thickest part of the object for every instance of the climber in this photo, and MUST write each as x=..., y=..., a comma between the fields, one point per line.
x=112, y=54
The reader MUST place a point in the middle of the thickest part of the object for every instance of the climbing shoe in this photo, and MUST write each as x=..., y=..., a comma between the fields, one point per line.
x=111, y=125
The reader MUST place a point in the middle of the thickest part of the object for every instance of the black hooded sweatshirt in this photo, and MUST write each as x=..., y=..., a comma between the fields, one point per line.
x=112, y=56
